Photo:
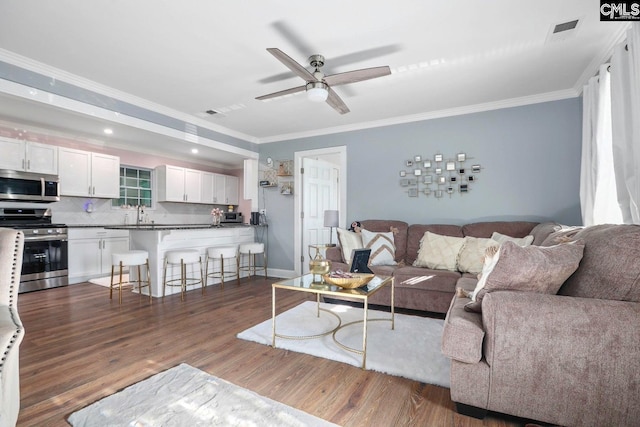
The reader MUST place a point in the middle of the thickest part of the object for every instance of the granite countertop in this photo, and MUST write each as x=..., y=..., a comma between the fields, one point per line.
x=156, y=227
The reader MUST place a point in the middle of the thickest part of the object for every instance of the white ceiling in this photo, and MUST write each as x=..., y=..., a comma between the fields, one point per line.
x=183, y=58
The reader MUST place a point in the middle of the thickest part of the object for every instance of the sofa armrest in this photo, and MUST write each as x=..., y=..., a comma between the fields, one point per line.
x=463, y=333
x=563, y=350
x=334, y=254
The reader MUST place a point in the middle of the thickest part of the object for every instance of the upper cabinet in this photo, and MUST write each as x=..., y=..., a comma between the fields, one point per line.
x=28, y=156
x=176, y=184
x=83, y=173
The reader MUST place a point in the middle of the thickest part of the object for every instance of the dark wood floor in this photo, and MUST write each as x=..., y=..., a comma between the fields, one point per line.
x=80, y=347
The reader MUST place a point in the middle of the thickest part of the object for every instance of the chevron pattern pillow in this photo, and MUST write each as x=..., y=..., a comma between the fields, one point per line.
x=383, y=248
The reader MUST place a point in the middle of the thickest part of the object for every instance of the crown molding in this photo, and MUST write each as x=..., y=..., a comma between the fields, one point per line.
x=56, y=73
x=470, y=109
x=592, y=69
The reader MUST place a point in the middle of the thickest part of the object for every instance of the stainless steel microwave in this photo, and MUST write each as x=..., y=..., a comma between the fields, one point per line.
x=232, y=217
x=29, y=187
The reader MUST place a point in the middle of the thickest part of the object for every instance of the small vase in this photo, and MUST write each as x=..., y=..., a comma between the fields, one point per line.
x=216, y=221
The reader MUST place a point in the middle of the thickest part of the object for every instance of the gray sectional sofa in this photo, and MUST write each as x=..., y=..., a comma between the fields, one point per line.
x=420, y=288
x=571, y=358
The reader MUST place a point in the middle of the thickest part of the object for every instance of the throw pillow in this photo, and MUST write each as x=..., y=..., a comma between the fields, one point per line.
x=438, y=251
x=520, y=241
x=383, y=249
x=348, y=242
x=471, y=256
x=532, y=268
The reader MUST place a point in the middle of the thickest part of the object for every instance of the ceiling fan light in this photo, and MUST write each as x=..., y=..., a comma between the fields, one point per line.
x=317, y=91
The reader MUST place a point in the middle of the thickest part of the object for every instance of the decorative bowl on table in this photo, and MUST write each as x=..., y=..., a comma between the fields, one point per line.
x=355, y=281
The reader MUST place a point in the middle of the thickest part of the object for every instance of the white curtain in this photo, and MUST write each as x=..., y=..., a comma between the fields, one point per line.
x=625, y=95
x=597, y=181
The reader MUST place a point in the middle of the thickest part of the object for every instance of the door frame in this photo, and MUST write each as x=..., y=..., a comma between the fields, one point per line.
x=341, y=151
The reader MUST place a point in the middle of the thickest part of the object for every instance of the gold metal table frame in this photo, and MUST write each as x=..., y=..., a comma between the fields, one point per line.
x=307, y=283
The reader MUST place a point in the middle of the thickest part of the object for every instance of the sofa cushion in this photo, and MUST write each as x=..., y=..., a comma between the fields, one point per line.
x=471, y=256
x=541, y=231
x=510, y=228
x=425, y=278
x=439, y=252
x=399, y=229
x=463, y=333
x=610, y=267
x=520, y=241
x=416, y=232
x=349, y=241
x=532, y=268
x=383, y=249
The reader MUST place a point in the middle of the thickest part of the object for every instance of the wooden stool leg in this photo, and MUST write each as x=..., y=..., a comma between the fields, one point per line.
x=183, y=279
x=221, y=272
x=202, y=284
x=149, y=282
x=264, y=255
x=120, y=287
x=164, y=277
x=111, y=284
x=139, y=283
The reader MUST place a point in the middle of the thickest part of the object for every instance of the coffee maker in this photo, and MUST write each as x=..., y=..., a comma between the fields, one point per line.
x=255, y=218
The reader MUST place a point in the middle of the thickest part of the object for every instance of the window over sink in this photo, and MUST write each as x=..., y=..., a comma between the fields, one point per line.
x=135, y=187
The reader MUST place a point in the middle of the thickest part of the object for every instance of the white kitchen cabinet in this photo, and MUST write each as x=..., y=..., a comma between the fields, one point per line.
x=83, y=173
x=28, y=156
x=206, y=195
x=90, y=251
x=225, y=189
x=176, y=184
x=231, y=190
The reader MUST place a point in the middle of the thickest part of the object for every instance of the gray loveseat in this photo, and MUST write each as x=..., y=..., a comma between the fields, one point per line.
x=570, y=359
x=420, y=288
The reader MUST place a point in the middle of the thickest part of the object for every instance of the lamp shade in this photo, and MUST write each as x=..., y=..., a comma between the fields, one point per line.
x=331, y=218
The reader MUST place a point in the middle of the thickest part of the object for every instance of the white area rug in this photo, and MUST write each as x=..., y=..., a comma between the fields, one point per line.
x=411, y=351
x=106, y=281
x=186, y=396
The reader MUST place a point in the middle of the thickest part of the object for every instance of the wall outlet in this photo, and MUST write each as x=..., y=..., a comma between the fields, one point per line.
x=263, y=211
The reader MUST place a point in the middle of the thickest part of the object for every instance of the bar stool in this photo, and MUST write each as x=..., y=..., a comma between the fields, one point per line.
x=221, y=253
x=250, y=250
x=182, y=258
x=130, y=258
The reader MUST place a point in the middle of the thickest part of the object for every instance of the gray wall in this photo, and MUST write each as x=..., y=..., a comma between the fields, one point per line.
x=530, y=157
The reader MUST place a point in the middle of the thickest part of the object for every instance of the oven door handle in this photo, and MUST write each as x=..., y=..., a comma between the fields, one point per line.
x=45, y=238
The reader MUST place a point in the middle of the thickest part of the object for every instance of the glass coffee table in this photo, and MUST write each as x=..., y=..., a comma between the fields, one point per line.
x=311, y=283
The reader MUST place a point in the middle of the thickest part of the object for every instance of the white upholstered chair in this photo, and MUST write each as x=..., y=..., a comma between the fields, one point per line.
x=11, y=329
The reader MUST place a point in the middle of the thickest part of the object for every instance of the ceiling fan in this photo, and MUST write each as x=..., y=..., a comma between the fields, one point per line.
x=318, y=86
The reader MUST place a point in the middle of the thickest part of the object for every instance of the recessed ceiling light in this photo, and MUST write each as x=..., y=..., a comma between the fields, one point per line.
x=108, y=131
x=194, y=150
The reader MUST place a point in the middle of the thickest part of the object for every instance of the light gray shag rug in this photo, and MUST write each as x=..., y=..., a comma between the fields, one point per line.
x=186, y=396
x=411, y=351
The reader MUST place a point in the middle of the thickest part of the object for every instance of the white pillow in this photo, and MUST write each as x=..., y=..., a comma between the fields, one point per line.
x=471, y=256
x=520, y=241
x=438, y=252
x=383, y=248
x=348, y=242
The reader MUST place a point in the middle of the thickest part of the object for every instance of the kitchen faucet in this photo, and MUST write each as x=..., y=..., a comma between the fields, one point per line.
x=139, y=210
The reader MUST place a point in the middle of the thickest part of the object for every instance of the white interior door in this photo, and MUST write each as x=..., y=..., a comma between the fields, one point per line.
x=322, y=187
x=319, y=195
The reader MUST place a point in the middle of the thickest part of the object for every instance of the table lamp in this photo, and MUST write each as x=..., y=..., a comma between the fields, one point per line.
x=331, y=220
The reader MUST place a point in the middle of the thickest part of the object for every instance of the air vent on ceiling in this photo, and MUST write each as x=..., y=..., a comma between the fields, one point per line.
x=565, y=26
x=563, y=31
x=211, y=112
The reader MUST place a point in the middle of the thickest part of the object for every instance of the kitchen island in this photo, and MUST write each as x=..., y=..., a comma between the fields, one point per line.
x=157, y=239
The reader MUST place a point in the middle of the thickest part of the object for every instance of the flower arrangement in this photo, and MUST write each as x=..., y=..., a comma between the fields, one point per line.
x=216, y=212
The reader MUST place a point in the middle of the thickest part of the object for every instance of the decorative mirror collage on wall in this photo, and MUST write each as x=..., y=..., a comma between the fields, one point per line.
x=438, y=176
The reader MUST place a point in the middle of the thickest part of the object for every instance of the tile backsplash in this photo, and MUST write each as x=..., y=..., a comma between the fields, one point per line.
x=71, y=210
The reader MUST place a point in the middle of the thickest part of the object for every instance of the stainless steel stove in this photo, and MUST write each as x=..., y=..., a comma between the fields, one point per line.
x=45, y=257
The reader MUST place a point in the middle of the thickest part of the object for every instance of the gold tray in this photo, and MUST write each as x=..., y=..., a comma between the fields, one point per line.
x=358, y=279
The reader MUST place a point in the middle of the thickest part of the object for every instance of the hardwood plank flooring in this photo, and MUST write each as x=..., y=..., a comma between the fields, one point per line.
x=80, y=347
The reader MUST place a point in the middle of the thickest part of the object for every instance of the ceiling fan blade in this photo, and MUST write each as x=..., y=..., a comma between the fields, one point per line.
x=291, y=64
x=282, y=93
x=336, y=102
x=357, y=75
